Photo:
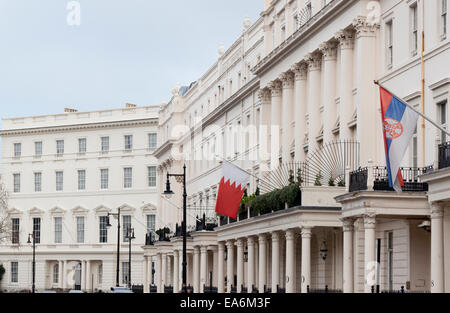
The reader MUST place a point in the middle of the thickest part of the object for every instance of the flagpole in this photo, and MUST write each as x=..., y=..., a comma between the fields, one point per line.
x=412, y=108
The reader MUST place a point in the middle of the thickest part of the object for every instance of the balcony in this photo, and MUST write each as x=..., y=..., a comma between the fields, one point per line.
x=444, y=155
x=360, y=181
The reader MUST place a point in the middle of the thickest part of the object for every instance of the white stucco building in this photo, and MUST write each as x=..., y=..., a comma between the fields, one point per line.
x=307, y=68
x=293, y=100
x=64, y=174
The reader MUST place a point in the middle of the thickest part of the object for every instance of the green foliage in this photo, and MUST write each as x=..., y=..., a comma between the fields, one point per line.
x=276, y=200
x=163, y=231
x=291, y=177
x=2, y=271
x=341, y=183
x=331, y=182
x=318, y=181
x=299, y=177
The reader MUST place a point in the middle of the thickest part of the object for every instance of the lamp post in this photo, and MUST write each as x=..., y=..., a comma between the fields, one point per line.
x=130, y=236
x=33, y=288
x=118, y=242
x=181, y=178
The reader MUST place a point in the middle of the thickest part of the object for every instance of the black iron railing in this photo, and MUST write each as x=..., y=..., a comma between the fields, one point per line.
x=359, y=179
x=149, y=239
x=210, y=289
x=137, y=288
x=444, y=155
x=153, y=289
x=168, y=289
x=326, y=290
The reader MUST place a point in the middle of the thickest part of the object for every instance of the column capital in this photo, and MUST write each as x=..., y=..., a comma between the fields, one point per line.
x=287, y=79
x=290, y=235
x=196, y=249
x=264, y=95
x=275, y=236
x=346, y=39
x=203, y=249
x=262, y=238
x=276, y=88
x=221, y=245
x=306, y=231
x=364, y=28
x=300, y=71
x=240, y=242
x=314, y=61
x=329, y=50
x=437, y=211
x=250, y=241
x=370, y=220
x=348, y=224
x=230, y=243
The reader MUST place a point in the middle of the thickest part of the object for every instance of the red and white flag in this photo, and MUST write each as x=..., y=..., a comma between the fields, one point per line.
x=231, y=189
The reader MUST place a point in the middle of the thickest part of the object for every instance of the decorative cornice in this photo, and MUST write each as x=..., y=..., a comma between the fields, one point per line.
x=329, y=50
x=314, y=61
x=76, y=127
x=364, y=28
x=346, y=39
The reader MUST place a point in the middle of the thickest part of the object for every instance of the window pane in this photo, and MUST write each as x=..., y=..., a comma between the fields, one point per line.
x=126, y=220
x=15, y=230
x=16, y=182
x=37, y=182
x=14, y=272
x=37, y=229
x=59, y=181
x=105, y=144
x=38, y=148
x=60, y=147
x=128, y=177
x=125, y=272
x=17, y=150
x=81, y=180
x=152, y=176
x=128, y=142
x=104, y=178
x=152, y=141
x=55, y=273
x=103, y=229
x=82, y=145
x=58, y=229
x=80, y=229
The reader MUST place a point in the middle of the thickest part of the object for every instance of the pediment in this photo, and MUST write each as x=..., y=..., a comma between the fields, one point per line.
x=79, y=210
x=57, y=210
x=102, y=209
x=14, y=211
x=35, y=211
x=127, y=208
x=149, y=208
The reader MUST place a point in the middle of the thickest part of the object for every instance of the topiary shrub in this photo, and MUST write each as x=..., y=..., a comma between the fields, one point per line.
x=291, y=195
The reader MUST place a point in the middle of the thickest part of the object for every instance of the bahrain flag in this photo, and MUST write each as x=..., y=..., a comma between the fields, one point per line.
x=231, y=189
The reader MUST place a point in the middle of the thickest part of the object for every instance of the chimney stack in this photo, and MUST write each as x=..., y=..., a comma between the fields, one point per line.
x=68, y=110
x=130, y=105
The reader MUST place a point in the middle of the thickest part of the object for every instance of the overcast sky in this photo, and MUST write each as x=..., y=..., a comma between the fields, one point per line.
x=123, y=50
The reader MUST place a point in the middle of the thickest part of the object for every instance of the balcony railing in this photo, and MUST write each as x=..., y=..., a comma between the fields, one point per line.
x=444, y=155
x=359, y=179
x=149, y=239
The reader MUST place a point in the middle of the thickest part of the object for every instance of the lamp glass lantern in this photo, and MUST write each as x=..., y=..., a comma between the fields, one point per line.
x=323, y=251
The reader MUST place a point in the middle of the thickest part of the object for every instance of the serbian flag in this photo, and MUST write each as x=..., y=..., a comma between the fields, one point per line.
x=231, y=189
x=399, y=125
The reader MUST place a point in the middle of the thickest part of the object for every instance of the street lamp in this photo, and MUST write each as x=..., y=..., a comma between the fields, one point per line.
x=33, y=288
x=118, y=242
x=181, y=178
x=130, y=236
x=324, y=251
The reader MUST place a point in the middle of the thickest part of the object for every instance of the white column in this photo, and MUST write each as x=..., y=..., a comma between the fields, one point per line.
x=346, y=40
x=61, y=274
x=240, y=265
x=262, y=263
x=314, y=99
x=366, y=98
x=176, y=271
x=329, y=52
x=369, y=252
x=437, y=249
x=264, y=127
x=64, y=276
x=159, y=275
x=287, y=80
x=275, y=261
x=230, y=264
x=220, y=268
x=83, y=275
x=300, y=108
x=88, y=276
x=146, y=283
x=290, y=262
x=163, y=271
x=196, y=269
x=215, y=265
x=348, y=255
x=251, y=264
x=306, y=258
x=203, y=267
x=275, y=120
